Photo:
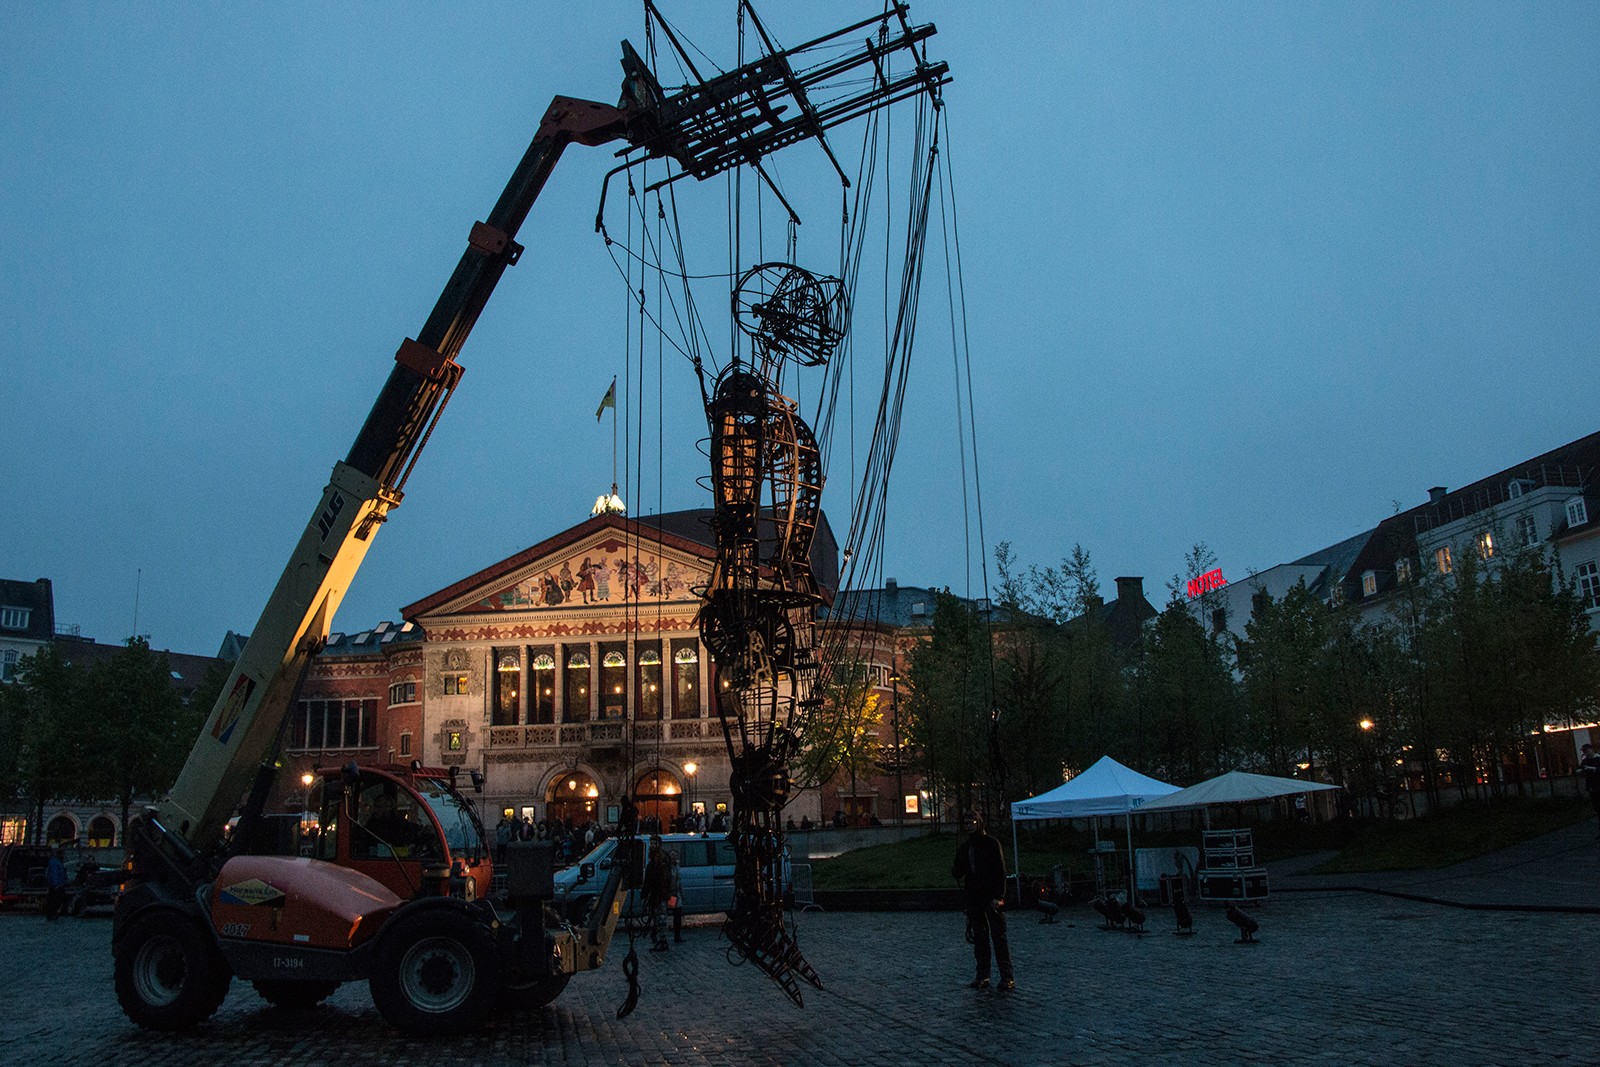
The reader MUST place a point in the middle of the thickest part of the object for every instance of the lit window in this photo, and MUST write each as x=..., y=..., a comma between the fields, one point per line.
x=1527, y=530
x=1369, y=583
x=15, y=618
x=455, y=683
x=1485, y=545
x=1589, y=584
x=1441, y=559
x=1577, y=513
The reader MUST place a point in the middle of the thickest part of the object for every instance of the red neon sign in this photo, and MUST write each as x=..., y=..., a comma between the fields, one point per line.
x=1208, y=581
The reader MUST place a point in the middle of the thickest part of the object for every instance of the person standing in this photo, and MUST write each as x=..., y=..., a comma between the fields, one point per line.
x=1589, y=767
x=980, y=867
x=675, y=897
x=657, y=891
x=55, y=882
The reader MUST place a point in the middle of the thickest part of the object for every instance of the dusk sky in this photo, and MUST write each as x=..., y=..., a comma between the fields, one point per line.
x=1247, y=274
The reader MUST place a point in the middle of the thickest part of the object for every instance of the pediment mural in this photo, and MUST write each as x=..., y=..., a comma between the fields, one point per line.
x=609, y=571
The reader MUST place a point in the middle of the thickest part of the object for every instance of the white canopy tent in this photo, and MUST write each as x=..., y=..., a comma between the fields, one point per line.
x=1107, y=788
x=1235, y=787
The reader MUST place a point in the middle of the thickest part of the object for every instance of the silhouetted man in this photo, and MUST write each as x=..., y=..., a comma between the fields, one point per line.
x=981, y=868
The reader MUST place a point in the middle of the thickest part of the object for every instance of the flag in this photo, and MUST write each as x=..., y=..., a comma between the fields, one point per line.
x=607, y=401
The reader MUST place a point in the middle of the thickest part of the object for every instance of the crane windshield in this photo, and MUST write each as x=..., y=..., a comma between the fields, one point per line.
x=463, y=834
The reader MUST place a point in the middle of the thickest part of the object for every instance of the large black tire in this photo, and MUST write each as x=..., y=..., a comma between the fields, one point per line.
x=294, y=996
x=169, y=975
x=534, y=995
x=435, y=973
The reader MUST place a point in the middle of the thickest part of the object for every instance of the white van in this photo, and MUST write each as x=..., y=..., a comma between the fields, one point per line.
x=705, y=865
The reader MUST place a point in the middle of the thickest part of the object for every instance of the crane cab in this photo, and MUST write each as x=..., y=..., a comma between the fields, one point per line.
x=407, y=828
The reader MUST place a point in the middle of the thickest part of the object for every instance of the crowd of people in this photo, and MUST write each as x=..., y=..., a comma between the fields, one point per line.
x=574, y=840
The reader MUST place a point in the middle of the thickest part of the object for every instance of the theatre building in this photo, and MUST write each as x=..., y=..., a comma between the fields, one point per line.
x=570, y=675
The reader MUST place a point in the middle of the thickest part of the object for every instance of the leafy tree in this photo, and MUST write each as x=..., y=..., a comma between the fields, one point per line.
x=950, y=714
x=138, y=728
x=1186, y=728
x=1281, y=661
x=842, y=735
x=46, y=719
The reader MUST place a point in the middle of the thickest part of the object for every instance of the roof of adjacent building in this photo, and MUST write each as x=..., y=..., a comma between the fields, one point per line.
x=894, y=604
x=375, y=641
x=1573, y=465
x=187, y=670
x=40, y=602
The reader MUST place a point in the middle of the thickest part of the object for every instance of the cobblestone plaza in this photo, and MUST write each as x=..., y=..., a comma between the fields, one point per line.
x=1336, y=978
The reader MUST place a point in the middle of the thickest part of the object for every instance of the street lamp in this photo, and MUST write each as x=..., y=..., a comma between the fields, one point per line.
x=690, y=768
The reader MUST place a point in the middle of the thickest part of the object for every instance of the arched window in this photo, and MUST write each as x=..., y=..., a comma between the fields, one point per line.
x=647, y=703
x=685, y=680
x=574, y=798
x=542, y=702
x=613, y=683
x=507, y=685
x=659, y=796
x=102, y=832
x=62, y=830
x=580, y=702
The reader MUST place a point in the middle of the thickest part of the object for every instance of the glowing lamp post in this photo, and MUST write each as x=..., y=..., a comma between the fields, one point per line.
x=689, y=769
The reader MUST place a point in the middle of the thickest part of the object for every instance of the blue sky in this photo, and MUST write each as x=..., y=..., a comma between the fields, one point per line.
x=1246, y=274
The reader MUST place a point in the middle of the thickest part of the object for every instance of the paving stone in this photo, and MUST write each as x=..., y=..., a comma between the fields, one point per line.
x=1336, y=978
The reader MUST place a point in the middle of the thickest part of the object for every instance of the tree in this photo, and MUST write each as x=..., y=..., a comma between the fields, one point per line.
x=1187, y=725
x=1281, y=659
x=138, y=728
x=842, y=736
x=950, y=714
x=47, y=721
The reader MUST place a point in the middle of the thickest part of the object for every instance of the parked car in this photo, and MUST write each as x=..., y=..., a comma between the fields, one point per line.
x=705, y=865
x=22, y=870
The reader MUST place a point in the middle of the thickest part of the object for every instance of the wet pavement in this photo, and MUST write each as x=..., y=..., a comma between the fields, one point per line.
x=1336, y=978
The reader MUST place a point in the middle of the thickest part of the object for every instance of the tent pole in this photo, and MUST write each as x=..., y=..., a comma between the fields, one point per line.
x=1016, y=857
x=1133, y=872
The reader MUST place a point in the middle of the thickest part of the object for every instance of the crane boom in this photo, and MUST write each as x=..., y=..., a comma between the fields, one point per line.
x=243, y=727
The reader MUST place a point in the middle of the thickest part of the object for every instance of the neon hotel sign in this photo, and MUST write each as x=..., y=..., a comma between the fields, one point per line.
x=1204, y=584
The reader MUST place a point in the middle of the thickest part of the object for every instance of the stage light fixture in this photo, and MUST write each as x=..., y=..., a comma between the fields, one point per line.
x=1182, y=915
x=1110, y=910
x=1247, y=926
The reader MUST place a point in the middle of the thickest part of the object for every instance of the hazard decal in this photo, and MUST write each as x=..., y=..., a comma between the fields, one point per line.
x=228, y=717
x=249, y=891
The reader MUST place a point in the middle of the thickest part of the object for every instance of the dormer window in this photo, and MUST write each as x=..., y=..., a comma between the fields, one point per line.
x=1577, y=512
x=1369, y=583
x=15, y=618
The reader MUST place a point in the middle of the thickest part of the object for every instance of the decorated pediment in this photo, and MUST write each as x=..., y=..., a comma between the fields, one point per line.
x=602, y=571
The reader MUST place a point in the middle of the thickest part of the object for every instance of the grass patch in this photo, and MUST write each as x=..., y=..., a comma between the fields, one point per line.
x=1454, y=835
x=1433, y=841
x=919, y=863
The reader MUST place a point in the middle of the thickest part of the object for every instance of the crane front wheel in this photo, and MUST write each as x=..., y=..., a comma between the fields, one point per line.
x=434, y=973
x=169, y=975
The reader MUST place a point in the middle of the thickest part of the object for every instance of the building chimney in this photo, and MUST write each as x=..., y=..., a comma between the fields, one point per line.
x=890, y=586
x=1436, y=494
x=1130, y=589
